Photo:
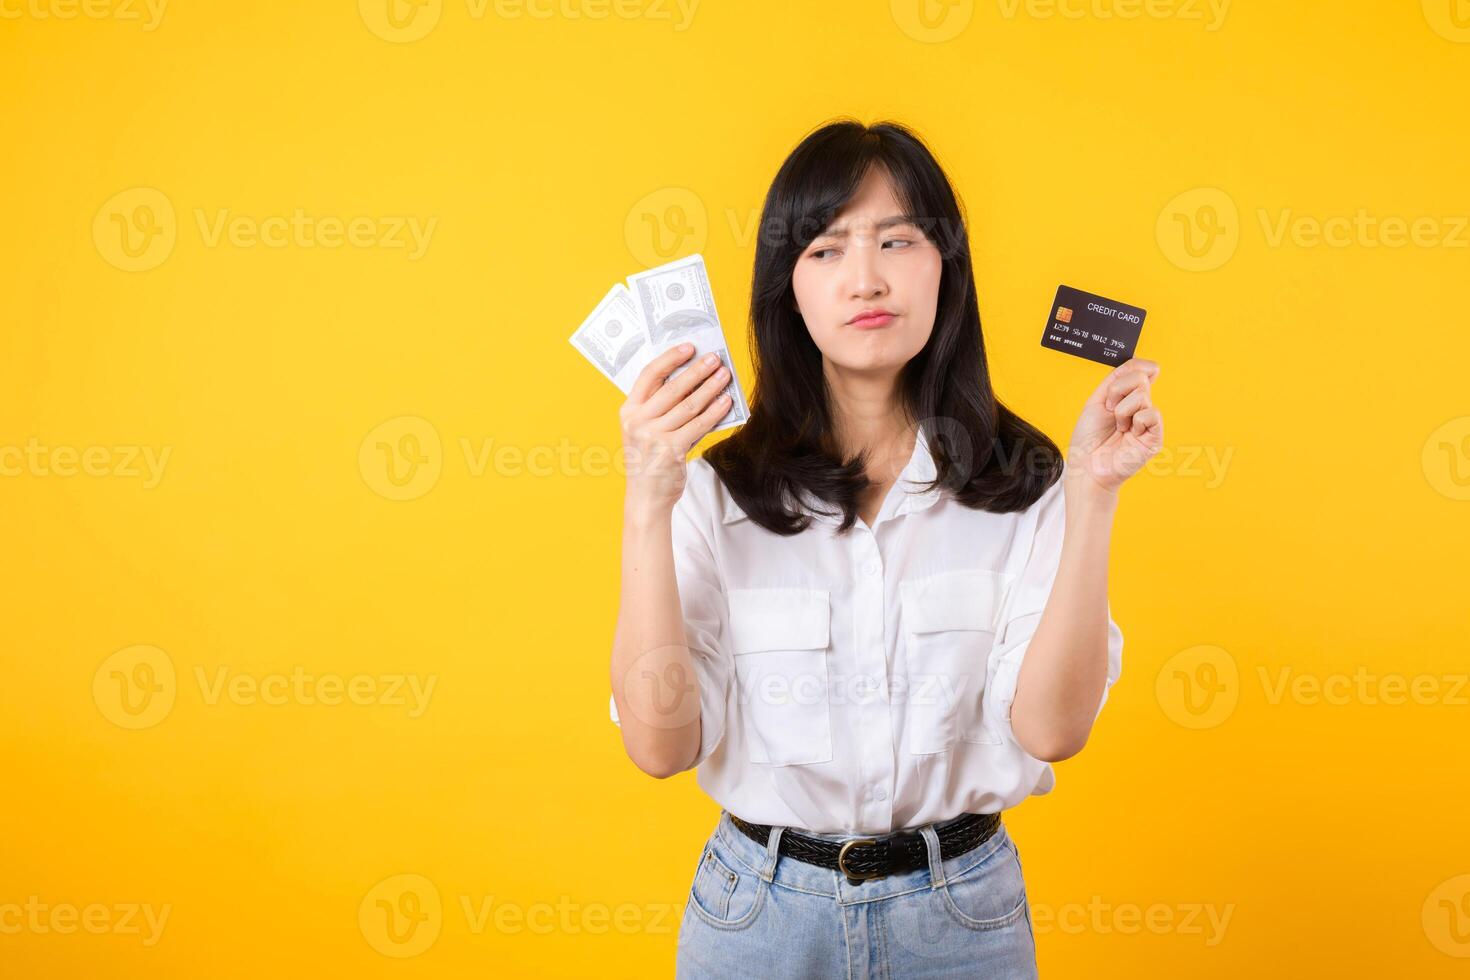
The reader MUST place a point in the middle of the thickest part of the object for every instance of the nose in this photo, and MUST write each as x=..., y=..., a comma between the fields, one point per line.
x=866, y=278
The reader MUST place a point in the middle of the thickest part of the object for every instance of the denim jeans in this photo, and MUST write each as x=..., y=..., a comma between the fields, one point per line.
x=752, y=913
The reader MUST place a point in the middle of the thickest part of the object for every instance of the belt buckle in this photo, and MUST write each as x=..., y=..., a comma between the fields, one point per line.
x=855, y=877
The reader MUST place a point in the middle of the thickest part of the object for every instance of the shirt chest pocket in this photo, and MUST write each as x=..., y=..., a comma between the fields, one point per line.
x=949, y=623
x=780, y=641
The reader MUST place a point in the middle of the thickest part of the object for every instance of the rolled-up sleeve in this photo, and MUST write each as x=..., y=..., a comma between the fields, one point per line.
x=1022, y=611
x=704, y=604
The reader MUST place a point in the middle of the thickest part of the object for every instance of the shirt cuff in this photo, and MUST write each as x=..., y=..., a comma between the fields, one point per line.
x=712, y=719
x=1003, y=693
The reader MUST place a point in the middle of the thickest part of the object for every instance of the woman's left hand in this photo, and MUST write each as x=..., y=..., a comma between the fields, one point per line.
x=1119, y=430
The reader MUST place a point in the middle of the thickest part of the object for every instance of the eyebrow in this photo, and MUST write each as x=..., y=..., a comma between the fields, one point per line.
x=888, y=222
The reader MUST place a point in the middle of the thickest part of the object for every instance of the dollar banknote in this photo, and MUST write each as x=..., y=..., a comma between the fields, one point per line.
x=665, y=306
x=613, y=339
x=677, y=306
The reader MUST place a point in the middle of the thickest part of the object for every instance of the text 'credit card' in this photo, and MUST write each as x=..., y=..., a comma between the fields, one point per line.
x=1092, y=326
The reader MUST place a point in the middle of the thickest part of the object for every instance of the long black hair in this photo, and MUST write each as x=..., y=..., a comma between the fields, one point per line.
x=985, y=455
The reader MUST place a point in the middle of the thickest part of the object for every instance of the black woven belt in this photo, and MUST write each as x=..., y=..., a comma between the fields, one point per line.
x=864, y=858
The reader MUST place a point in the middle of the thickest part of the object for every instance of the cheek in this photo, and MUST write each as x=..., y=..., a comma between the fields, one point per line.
x=924, y=301
x=815, y=305
x=805, y=289
x=810, y=305
x=931, y=274
x=925, y=295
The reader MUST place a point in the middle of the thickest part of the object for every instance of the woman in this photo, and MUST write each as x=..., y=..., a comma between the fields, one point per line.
x=874, y=615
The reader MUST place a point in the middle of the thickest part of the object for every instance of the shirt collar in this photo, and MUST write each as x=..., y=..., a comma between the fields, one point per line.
x=919, y=471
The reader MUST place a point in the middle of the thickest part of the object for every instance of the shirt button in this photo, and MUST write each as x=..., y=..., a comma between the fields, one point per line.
x=880, y=794
x=870, y=567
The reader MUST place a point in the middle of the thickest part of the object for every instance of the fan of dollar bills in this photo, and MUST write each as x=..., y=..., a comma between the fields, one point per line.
x=667, y=305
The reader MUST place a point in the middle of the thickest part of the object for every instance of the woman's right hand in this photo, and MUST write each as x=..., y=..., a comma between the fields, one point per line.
x=662, y=421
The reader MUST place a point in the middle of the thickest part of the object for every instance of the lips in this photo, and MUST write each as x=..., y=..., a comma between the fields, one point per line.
x=871, y=318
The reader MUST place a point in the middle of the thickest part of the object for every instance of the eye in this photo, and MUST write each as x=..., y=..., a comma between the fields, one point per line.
x=898, y=241
x=818, y=252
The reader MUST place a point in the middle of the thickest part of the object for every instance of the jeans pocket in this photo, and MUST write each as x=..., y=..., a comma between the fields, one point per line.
x=724, y=892
x=990, y=895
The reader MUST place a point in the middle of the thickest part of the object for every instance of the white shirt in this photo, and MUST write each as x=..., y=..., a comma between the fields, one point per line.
x=864, y=685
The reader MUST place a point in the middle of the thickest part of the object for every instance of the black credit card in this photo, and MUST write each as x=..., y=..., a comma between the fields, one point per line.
x=1092, y=326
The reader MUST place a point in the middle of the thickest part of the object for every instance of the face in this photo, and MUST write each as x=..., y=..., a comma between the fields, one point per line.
x=868, y=258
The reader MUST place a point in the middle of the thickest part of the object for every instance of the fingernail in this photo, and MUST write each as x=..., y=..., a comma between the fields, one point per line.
x=686, y=348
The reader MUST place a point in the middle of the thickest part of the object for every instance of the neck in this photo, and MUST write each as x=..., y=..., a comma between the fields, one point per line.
x=868, y=415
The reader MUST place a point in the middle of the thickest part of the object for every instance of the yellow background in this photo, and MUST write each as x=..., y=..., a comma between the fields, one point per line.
x=548, y=149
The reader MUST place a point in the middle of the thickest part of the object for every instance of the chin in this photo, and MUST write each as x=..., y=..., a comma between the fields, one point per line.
x=880, y=350
x=859, y=364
